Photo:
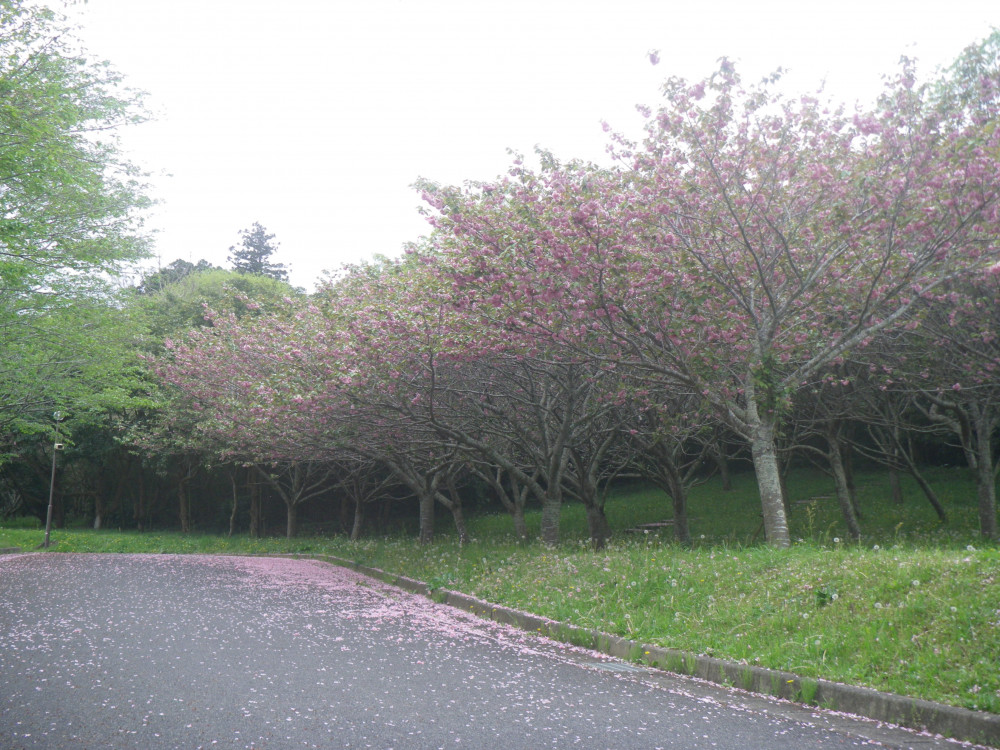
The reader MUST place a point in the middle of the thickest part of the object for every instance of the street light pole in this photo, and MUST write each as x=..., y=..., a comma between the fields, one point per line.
x=56, y=447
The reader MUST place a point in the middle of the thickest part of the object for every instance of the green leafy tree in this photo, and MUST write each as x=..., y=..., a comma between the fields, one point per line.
x=81, y=362
x=182, y=305
x=157, y=281
x=166, y=435
x=69, y=201
x=70, y=218
x=253, y=254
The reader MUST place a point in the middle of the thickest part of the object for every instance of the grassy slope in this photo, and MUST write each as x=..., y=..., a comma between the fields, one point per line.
x=914, y=609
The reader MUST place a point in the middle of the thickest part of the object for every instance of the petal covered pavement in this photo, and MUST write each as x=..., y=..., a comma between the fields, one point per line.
x=177, y=651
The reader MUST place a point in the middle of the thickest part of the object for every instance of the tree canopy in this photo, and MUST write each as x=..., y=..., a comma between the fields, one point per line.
x=753, y=250
x=759, y=276
x=70, y=211
x=157, y=281
x=71, y=203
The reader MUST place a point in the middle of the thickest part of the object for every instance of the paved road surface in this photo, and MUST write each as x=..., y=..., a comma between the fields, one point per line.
x=166, y=651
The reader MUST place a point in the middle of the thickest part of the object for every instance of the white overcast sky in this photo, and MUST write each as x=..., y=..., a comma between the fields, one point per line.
x=314, y=117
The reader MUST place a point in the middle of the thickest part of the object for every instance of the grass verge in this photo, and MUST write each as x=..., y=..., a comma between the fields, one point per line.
x=914, y=609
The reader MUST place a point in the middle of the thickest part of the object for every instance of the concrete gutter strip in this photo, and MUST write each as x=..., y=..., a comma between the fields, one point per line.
x=936, y=718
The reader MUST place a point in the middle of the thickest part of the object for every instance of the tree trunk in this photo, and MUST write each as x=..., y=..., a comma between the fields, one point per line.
x=588, y=491
x=895, y=459
x=986, y=488
x=359, y=519
x=844, y=499
x=139, y=511
x=597, y=524
x=923, y=484
x=102, y=492
x=520, y=525
x=678, y=495
x=895, y=488
x=453, y=502
x=682, y=530
x=347, y=511
x=460, y=527
x=551, y=505
x=847, y=457
x=426, y=534
x=783, y=468
x=722, y=463
x=184, y=509
x=931, y=496
x=986, y=492
x=513, y=501
x=157, y=501
x=121, y=488
x=765, y=463
x=236, y=497
x=658, y=463
x=292, y=516
x=256, y=512
x=98, y=508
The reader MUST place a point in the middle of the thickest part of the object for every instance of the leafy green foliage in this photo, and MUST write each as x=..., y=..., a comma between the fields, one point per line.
x=182, y=304
x=78, y=361
x=157, y=281
x=960, y=88
x=70, y=207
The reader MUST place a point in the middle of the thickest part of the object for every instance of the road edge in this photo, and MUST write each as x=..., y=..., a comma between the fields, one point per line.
x=913, y=713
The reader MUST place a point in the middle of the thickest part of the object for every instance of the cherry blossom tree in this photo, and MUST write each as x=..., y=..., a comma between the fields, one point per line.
x=739, y=255
x=362, y=482
x=960, y=338
x=551, y=425
x=323, y=379
x=670, y=442
x=296, y=482
x=749, y=243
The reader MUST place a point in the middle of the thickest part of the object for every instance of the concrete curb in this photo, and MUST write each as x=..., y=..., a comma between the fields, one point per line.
x=936, y=718
x=9, y=550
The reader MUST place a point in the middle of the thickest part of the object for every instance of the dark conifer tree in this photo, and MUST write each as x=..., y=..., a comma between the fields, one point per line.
x=254, y=253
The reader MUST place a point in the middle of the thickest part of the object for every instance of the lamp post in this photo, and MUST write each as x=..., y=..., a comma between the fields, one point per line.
x=56, y=447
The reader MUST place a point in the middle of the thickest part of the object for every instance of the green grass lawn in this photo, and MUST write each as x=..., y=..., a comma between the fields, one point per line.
x=914, y=609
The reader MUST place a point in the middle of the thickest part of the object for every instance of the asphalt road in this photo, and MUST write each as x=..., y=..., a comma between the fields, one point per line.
x=166, y=651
